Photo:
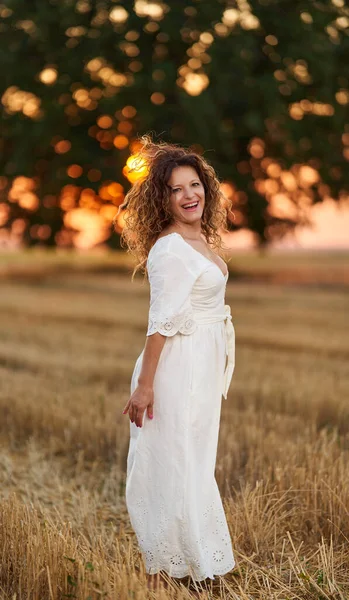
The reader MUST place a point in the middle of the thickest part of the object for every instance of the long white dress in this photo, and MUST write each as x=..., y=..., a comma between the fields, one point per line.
x=172, y=495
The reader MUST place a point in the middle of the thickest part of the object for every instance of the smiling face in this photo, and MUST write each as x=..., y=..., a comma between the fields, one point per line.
x=186, y=190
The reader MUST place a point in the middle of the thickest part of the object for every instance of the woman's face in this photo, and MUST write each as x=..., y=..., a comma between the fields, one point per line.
x=186, y=189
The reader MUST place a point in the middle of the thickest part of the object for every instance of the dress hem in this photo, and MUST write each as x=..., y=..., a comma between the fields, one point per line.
x=189, y=574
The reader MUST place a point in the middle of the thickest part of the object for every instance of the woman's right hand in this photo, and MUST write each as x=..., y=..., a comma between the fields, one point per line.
x=142, y=399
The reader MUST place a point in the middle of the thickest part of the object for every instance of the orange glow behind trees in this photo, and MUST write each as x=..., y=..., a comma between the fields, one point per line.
x=264, y=98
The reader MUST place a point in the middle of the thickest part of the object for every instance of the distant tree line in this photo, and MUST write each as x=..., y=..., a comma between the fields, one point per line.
x=260, y=88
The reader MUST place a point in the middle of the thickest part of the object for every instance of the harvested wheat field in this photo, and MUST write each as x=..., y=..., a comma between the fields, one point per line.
x=69, y=337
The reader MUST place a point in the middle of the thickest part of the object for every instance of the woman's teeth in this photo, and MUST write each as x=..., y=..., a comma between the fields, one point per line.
x=191, y=206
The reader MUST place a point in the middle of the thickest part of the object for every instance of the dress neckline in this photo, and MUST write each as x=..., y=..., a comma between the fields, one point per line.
x=225, y=275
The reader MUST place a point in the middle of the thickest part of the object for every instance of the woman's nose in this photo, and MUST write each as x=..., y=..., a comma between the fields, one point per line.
x=189, y=193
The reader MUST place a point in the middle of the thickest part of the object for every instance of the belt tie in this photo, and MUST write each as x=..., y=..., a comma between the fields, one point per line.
x=229, y=341
x=230, y=349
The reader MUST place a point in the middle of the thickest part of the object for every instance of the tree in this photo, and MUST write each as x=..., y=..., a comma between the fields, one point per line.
x=260, y=88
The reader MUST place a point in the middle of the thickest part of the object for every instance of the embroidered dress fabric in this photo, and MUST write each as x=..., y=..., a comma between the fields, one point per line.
x=172, y=496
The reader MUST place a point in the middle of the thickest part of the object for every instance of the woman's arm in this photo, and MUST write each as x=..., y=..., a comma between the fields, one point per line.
x=152, y=350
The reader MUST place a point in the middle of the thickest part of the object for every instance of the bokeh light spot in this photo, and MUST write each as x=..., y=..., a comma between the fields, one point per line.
x=120, y=142
x=74, y=171
x=118, y=14
x=157, y=98
x=104, y=122
x=48, y=75
x=62, y=146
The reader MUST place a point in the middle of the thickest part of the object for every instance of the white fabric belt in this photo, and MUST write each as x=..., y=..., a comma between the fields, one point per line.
x=229, y=341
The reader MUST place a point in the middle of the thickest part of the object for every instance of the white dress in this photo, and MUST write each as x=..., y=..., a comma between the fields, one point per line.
x=172, y=495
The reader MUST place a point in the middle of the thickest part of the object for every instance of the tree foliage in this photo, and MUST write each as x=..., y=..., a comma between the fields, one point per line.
x=261, y=88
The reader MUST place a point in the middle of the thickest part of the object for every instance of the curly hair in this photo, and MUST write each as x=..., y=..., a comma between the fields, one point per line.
x=147, y=203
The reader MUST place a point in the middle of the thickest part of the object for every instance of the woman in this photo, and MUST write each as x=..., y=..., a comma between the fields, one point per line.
x=178, y=380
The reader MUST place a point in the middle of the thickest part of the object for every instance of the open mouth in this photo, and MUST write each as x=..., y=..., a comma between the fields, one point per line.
x=191, y=206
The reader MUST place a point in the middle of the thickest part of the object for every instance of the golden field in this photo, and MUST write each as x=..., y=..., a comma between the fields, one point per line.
x=71, y=329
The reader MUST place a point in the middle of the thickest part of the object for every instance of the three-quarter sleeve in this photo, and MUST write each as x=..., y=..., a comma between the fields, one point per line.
x=171, y=278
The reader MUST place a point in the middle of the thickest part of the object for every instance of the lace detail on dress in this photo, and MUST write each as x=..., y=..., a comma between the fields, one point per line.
x=170, y=324
x=215, y=557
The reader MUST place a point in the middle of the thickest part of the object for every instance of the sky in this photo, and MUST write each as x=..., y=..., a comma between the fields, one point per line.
x=330, y=230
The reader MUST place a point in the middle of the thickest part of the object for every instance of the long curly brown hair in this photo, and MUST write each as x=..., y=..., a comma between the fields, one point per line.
x=147, y=203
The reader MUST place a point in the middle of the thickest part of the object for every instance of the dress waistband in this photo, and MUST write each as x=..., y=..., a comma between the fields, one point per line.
x=229, y=341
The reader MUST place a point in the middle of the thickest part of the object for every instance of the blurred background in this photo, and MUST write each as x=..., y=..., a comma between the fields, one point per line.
x=261, y=89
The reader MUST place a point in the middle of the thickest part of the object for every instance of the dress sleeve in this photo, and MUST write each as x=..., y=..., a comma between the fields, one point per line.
x=171, y=277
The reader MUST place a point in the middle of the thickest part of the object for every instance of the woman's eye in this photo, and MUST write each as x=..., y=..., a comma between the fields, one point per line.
x=174, y=190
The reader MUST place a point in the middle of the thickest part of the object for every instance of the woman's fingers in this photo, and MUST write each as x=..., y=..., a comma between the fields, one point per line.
x=139, y=417
x=136, y=415
x=131, y=413
x=127, y=406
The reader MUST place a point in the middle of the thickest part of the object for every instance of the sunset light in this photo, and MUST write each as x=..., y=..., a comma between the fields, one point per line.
x=135, y=168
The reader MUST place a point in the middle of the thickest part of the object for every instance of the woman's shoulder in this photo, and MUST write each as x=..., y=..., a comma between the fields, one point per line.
x=171, y=249
x=167, y=243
